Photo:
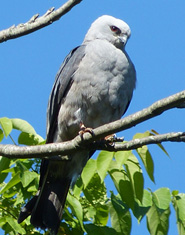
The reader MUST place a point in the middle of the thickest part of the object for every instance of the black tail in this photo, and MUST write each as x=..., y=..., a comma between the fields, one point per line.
x=46, y=207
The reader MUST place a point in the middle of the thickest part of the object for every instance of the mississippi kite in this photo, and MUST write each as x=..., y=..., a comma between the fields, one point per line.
x=94, y=86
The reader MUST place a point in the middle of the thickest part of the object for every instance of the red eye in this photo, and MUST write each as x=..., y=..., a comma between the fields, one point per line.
x=115, y=29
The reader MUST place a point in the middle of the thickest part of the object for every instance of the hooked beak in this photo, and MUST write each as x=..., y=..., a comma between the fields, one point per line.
x=123, y=39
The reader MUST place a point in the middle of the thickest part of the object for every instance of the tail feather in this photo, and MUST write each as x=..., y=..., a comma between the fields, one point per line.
x=47, y=212
x=46, y=207
x=27, y=210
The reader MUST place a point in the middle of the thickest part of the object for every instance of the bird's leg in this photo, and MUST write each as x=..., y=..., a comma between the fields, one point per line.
x=84, y=129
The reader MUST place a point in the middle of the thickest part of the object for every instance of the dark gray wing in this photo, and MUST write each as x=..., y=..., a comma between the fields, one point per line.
x=63, y=82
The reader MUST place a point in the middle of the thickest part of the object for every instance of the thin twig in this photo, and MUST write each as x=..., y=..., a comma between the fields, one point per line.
x=137, y=143
x=36, y=22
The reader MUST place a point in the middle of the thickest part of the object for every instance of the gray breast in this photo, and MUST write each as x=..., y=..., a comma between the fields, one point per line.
x=101, y=91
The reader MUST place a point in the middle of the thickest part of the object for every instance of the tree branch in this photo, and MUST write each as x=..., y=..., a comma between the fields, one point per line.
x=90, y=142
x=62, y=149
x=36, y=22
x=136, y=143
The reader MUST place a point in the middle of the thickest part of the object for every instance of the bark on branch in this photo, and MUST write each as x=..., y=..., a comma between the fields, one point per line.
x=91, y=142
x=37, y=22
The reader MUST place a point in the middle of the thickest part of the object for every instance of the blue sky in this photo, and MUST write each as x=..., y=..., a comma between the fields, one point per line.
x=28, y=66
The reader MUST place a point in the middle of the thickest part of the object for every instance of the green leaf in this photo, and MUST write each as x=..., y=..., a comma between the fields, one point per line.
x=77, y=190
x=116, y=173
x=142, y=135
x=1, y=135
x=103, y=161
x=135, y=175
x=158, y=221
x=15, y=226
x=121, y=157
x=33, y=188
x=22, y=126
x=160, y=145
x=122, y=184
x=158, y=214
x=102, y=214
x=28, y=134
x=76, y=208
x=2, y=221
x=4, y=164
x=147, y=161
x=88, y=171
x=120, y=216
x=145, y=154
x=175, y=192
x=29, y=139
x=141, y=209
x=96, y=192
x=27, y=177
x=6, y=125
x=162, y=198
x=14, y=180
x=94, y=201
x=21, y=165
x=179, y=206
x=93, y=229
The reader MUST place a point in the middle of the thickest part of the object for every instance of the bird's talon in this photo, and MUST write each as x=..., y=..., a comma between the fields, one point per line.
x=84, y=129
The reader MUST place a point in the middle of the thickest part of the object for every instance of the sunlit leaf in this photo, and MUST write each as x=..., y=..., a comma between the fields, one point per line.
x=158, y=214
x=15, y=226
x=2, y=221
x=78, y=187
x=179, y=206
x=27, y=177
x=88, y=171
x=162, y=198
x=159, y=144
x=29, y=139
x=147, y=199
x=122, y=184
x=121, y=157
x=1, y=135
x=103, y=162
x=76, y=208
x=175, y=192
x=141, y=135
x=95, y=191
x=135, y=175
x=158, y=221
x=22, y=126
x=141, y=209
x=120, y=216
x=102, y=214
x=4, y=164
x=15, y=180
x=147, y=161
x=6, y=125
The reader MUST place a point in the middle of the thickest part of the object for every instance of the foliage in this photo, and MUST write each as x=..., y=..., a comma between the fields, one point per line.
x=89, y=205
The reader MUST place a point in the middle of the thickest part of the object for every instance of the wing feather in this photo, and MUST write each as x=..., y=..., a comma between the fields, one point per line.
x=63, y=82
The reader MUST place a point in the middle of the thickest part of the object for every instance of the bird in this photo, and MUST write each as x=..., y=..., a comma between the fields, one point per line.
x=94, y=86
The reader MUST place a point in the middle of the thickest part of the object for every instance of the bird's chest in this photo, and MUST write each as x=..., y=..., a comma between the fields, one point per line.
x=103, y=89
x=99, y=93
